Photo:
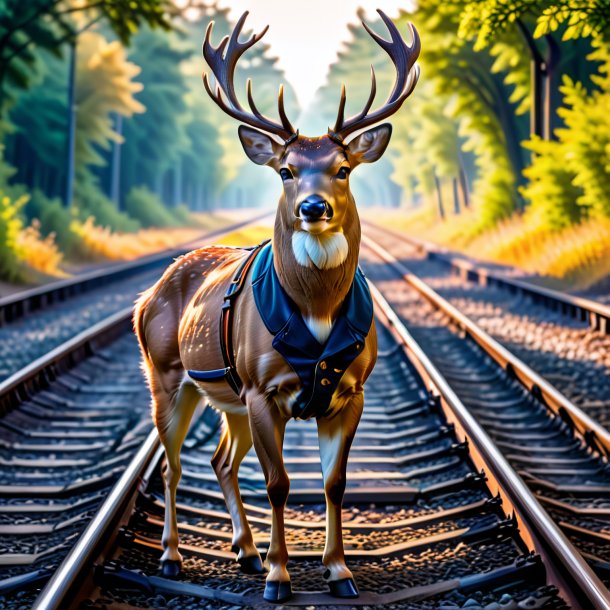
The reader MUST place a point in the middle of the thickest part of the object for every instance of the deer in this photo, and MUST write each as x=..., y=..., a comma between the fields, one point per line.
x=278, y=332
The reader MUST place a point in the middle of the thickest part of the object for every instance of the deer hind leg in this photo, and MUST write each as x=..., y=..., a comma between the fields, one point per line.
x=335, y=436
x=235, y=442
x=172, y=414
x=268, y=426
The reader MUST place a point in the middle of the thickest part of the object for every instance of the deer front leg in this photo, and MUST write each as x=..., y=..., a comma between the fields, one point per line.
x=335, y=436
x=268, y=426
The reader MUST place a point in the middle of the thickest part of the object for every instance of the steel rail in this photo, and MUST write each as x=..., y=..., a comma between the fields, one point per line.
x=592, y=433
x=56, y=592
x=18, y=305
x=39, y=373
x=597, y=314
x=570, y=571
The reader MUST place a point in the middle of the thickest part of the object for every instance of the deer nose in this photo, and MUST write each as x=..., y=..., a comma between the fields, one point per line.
x=313, y=208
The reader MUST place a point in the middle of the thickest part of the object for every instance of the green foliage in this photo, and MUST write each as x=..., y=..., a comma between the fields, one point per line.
x=478, y=99
x=104, y=88
x=54, y=218
x=47, y=24
x=550, y=191
x=160, y=132
x=40, y=125
x=586, y=139
x=182, y=216
x=10, y=228
x=146, y=207
x=570, y=177
x=485, y=20
x=211, y=130
x=580, y=19
x=90, y=201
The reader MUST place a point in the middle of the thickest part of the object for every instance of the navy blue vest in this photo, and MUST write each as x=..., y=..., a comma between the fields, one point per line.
x=319, y=367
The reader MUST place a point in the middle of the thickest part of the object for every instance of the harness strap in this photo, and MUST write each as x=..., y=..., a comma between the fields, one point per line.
x=226, y=327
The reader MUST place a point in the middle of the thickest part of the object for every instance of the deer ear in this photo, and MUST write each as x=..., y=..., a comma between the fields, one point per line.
x=259, y=147
x=370, y=145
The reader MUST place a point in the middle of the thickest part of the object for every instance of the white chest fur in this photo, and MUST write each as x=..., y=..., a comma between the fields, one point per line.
x=319, y=327
x=325, y=251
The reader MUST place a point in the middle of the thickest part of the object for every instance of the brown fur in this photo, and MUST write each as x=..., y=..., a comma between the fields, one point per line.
x=177, y=324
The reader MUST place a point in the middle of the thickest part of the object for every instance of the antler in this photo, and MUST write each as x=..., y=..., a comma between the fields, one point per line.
x=403, y=57
x=223, y=60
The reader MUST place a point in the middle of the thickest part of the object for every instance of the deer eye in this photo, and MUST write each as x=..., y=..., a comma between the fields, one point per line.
x=286, y=174
x=343, y=173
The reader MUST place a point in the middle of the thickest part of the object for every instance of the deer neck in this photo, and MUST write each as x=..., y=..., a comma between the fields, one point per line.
x=318, y=293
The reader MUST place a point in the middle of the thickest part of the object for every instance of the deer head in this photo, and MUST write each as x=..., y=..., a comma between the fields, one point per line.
x=316, y=207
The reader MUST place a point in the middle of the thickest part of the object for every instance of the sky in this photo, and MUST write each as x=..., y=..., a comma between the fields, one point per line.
x=306, y=35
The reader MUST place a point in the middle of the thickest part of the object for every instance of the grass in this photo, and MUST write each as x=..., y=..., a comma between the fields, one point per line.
x=40, y=253
x=102, y=243
x=250, y=236
x=575, y=258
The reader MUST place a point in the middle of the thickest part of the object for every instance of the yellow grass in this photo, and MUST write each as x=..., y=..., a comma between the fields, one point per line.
x=101, y=242
x=576, y=257
x=249, y=236
x=38, y=252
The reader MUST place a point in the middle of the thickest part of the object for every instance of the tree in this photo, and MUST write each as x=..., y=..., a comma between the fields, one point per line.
x=155, y=139
x=460, y=110
x=218, y=176
x=570, y=178
x=498, y=23
x=48, y=24
x=104, y=87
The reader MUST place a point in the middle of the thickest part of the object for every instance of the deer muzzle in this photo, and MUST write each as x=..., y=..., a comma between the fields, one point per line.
x=313, y=209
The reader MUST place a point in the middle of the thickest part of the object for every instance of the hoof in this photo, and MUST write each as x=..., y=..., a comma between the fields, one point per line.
x=345, y=588
x=277, y=591
x=251, y=565
x=170, y=568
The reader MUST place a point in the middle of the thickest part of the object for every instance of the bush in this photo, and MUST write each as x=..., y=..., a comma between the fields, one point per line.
x=54, y=218
x=90, y=201
x=39, y=252
x=183, y=216
x=148, y=209
x=10, y=229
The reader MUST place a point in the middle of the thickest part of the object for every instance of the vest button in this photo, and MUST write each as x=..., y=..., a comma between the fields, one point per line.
x=323, y=365
x=325, y=381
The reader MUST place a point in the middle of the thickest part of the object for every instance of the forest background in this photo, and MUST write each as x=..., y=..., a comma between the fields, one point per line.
x=109, y=146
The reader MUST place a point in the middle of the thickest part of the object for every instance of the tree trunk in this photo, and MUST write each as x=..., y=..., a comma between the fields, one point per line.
x=439, y=197
x=69, y=192
x=456, y=196
x=464, y=185
x=177, y=194
x=537, y=67
x=159, y=185
x=553, y=57
x=536, y=121
x=115, y=167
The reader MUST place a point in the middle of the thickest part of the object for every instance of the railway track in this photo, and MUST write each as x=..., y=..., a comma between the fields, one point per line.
x=565, y=338
x=73, y=417
x=35, y=321
x=425, y=526
x=435, y=518
x=555, y=447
